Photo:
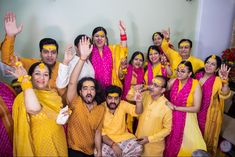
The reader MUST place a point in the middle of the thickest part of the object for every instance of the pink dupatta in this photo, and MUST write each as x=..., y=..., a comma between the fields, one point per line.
x=207, y=88
x=150, y=72
x=178, y=98
x=8, y=98
x=102, y=66
x=128, y=78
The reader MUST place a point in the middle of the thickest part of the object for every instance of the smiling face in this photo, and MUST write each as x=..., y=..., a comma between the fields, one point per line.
x=40, y=77
x=185, y=49
x=183, y=72
x=157, y=39
x=138, y=61
x=157, y=88
x=211, y=66
x=99, y=39
x=154, y=56
x=49, y=54
x=88, y=92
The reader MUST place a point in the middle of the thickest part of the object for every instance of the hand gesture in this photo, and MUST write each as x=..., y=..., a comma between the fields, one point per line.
x=122, y=27
x=85, y=48
x=224, y=71
x=18, y=71
x=143, y=140
x=138, y=96
x=124, y=63
x=68, y=54
x=163, y=59
x=117, y=150
x=166, y=33
x=10, y=24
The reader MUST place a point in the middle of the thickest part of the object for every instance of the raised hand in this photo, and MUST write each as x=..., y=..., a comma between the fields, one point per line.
x=85, y=48
x=166, y=33
x=68, y=54
x=18, y=71
x=138, y=96
x=224, y=71
x=122, y=27
x=124, y=63
x=10, y=24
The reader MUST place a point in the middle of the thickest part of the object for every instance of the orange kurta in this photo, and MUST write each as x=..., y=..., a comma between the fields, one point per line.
x=8, y=52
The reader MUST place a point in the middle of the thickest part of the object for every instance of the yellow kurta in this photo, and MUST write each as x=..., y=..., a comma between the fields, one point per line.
x=214, y=117
x=8, y=52
x=175, y=58
x=118, y=53
x=114, y=125
x=192, y=137
x=155, y=123
x=157, y=70
x=39, y=135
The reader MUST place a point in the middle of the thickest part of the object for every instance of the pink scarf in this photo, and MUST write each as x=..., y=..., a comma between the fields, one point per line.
x=174, y=140
x=150, y=72
x=102, y=66
x=207, y=88
x=128, y=78
x=8, y=97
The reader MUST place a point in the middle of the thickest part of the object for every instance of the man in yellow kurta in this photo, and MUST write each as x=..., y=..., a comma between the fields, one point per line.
x=156, y=120
x=185, y=47
x=48, y=49
x=117, y=141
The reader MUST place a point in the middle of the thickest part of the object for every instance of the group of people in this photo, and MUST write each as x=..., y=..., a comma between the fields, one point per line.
x=170, y=104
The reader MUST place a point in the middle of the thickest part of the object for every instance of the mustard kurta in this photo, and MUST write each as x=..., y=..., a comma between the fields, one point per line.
x=192, y=137
x=175, y=58
x=39, y=135
x=118, y=53
x=8, y=52
x=214, y=117
x=155, y=123
x=115, y=124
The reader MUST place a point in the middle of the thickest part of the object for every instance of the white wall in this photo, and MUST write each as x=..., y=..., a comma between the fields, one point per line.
x=65, y=19
x=214, y=26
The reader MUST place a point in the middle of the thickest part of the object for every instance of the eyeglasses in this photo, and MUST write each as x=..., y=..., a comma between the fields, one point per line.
x=156, y=85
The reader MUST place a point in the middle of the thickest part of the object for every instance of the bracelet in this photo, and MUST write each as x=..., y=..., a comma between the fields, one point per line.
x=123, y=37
x=20, y=79
x=26, y=85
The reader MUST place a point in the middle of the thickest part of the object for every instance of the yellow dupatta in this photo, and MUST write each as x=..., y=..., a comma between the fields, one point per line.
x=22, y=140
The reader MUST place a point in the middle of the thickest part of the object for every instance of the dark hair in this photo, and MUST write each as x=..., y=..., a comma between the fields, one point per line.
x=189, y=65
x=159, y=33
x=34, y=65
x=99, y=97
x=97, y=29
x=134, y=55
x=113, y=89
x=48, y=41
x=154, y=47
x=218, y=61
x=187, y=40
x=164, y=79
x=79, y=37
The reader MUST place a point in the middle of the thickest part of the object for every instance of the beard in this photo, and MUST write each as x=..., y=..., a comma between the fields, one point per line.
x=88, y=99
x=112, y=106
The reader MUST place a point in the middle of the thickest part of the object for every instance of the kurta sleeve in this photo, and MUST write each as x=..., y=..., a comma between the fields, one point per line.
x=62, y=79
x=167, y=122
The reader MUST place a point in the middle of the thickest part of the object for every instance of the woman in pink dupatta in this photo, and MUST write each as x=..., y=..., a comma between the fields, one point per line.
x=134, y=76
x=157, y=65
x=185, y=97
x=106, y=58
x=7, y=97
x=214, y=90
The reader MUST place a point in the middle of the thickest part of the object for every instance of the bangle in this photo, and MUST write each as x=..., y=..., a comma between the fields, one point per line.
x=123, y=37
x=20, y=79
x=26, y=85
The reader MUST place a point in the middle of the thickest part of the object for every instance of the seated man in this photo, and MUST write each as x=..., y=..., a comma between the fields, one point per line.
x=156, y=120
x=117, y=141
